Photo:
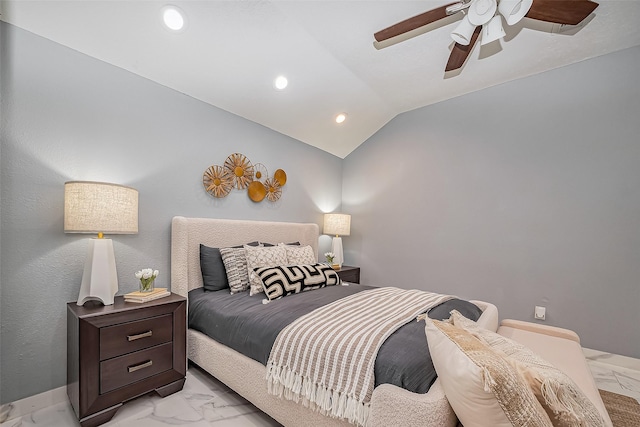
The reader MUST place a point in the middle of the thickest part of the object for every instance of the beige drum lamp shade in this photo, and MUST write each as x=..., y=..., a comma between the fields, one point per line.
x=337, y=224
x=98, y=207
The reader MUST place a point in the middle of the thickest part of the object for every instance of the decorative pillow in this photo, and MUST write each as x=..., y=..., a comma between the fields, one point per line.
x=235, y=263
x=481, y=386
x=280, y=281
x=562, y=399
x=214, y=275
x=299, y=255
x=262, y=257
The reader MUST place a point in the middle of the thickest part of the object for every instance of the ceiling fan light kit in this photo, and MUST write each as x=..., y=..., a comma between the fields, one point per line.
x=492, y=30
x=463, y=32
x=481, y=11
x=488, y=14
x=514, y=10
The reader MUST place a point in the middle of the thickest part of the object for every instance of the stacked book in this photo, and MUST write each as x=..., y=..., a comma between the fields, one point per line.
x=146, y=296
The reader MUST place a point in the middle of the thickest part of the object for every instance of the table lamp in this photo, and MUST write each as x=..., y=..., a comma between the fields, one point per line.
x=98, y=208
x=337, y=225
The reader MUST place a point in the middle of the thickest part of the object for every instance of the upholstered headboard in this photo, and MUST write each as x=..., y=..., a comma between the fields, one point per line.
x=188, y=233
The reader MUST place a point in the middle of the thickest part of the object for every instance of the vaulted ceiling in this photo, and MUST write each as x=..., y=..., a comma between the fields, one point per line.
x=229, y=53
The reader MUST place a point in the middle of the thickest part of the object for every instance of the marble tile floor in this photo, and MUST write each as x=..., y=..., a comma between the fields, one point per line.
x=615, y=373
x=205, y=402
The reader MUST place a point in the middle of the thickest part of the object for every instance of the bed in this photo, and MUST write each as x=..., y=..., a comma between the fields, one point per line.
x=390, y=404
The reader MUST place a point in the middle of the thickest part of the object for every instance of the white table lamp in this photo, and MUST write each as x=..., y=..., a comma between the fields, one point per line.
x=97, y=208
x=337, y=225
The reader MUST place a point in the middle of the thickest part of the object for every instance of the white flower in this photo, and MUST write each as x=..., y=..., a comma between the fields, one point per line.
x=146, y=277
x=147, y=273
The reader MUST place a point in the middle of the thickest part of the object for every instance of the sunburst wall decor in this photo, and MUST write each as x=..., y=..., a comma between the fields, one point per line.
x=238, y=172
x=240, y=169
x=217, y=181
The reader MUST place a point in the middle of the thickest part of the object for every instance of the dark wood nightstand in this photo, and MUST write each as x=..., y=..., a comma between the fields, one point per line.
x=121, y=351
x=349, y=274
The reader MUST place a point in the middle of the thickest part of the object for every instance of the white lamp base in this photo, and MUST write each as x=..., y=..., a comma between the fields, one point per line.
x=99, y=279
x=336, y=248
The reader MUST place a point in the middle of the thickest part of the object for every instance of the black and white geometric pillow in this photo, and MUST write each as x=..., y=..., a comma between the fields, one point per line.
x=286, y=280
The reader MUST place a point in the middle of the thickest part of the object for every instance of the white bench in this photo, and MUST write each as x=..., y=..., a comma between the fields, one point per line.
x=561, y=347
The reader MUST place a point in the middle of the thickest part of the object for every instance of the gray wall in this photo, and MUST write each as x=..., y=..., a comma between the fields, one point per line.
x=66, y=116
x=523, y=194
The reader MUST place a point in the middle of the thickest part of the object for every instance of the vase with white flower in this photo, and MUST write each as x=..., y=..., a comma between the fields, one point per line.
x=147, y=277
x=330, y=257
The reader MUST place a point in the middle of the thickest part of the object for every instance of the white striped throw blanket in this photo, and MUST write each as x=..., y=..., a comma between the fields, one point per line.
x=325, y=359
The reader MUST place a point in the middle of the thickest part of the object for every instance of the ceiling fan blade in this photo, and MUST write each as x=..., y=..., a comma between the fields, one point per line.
x=570, y=12
x=460, y=53
x=413, y=23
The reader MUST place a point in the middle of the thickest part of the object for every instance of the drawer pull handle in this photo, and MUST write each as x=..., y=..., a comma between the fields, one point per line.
x=137, y=337
x=140, y=366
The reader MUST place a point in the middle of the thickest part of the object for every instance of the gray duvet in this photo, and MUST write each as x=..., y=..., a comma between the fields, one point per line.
x=244, y=324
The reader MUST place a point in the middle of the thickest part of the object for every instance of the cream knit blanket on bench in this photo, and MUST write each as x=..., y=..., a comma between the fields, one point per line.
x=325, y=359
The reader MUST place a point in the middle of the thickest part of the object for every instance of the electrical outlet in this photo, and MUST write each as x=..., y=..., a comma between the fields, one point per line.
x=539, y=313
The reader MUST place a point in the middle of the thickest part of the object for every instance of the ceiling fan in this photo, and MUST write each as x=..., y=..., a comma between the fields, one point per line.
x=485, y=16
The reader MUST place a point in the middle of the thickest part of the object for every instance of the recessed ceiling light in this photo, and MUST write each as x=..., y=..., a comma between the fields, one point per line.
x=280, y=82
x=340, y=118
x=173, y=18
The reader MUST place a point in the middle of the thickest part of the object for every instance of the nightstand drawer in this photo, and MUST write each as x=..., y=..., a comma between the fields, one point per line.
x=133, y=336
x=124, y=370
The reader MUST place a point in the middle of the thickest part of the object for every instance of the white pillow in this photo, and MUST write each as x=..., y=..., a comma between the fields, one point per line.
x=481, y=386
x=299, y=255
x=270, y=256
x=562, y=399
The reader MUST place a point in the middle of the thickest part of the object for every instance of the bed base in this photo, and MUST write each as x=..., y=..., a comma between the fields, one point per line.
x=390, y=405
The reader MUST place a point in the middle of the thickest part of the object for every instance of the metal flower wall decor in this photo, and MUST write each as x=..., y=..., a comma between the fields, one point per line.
x=238, y=172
